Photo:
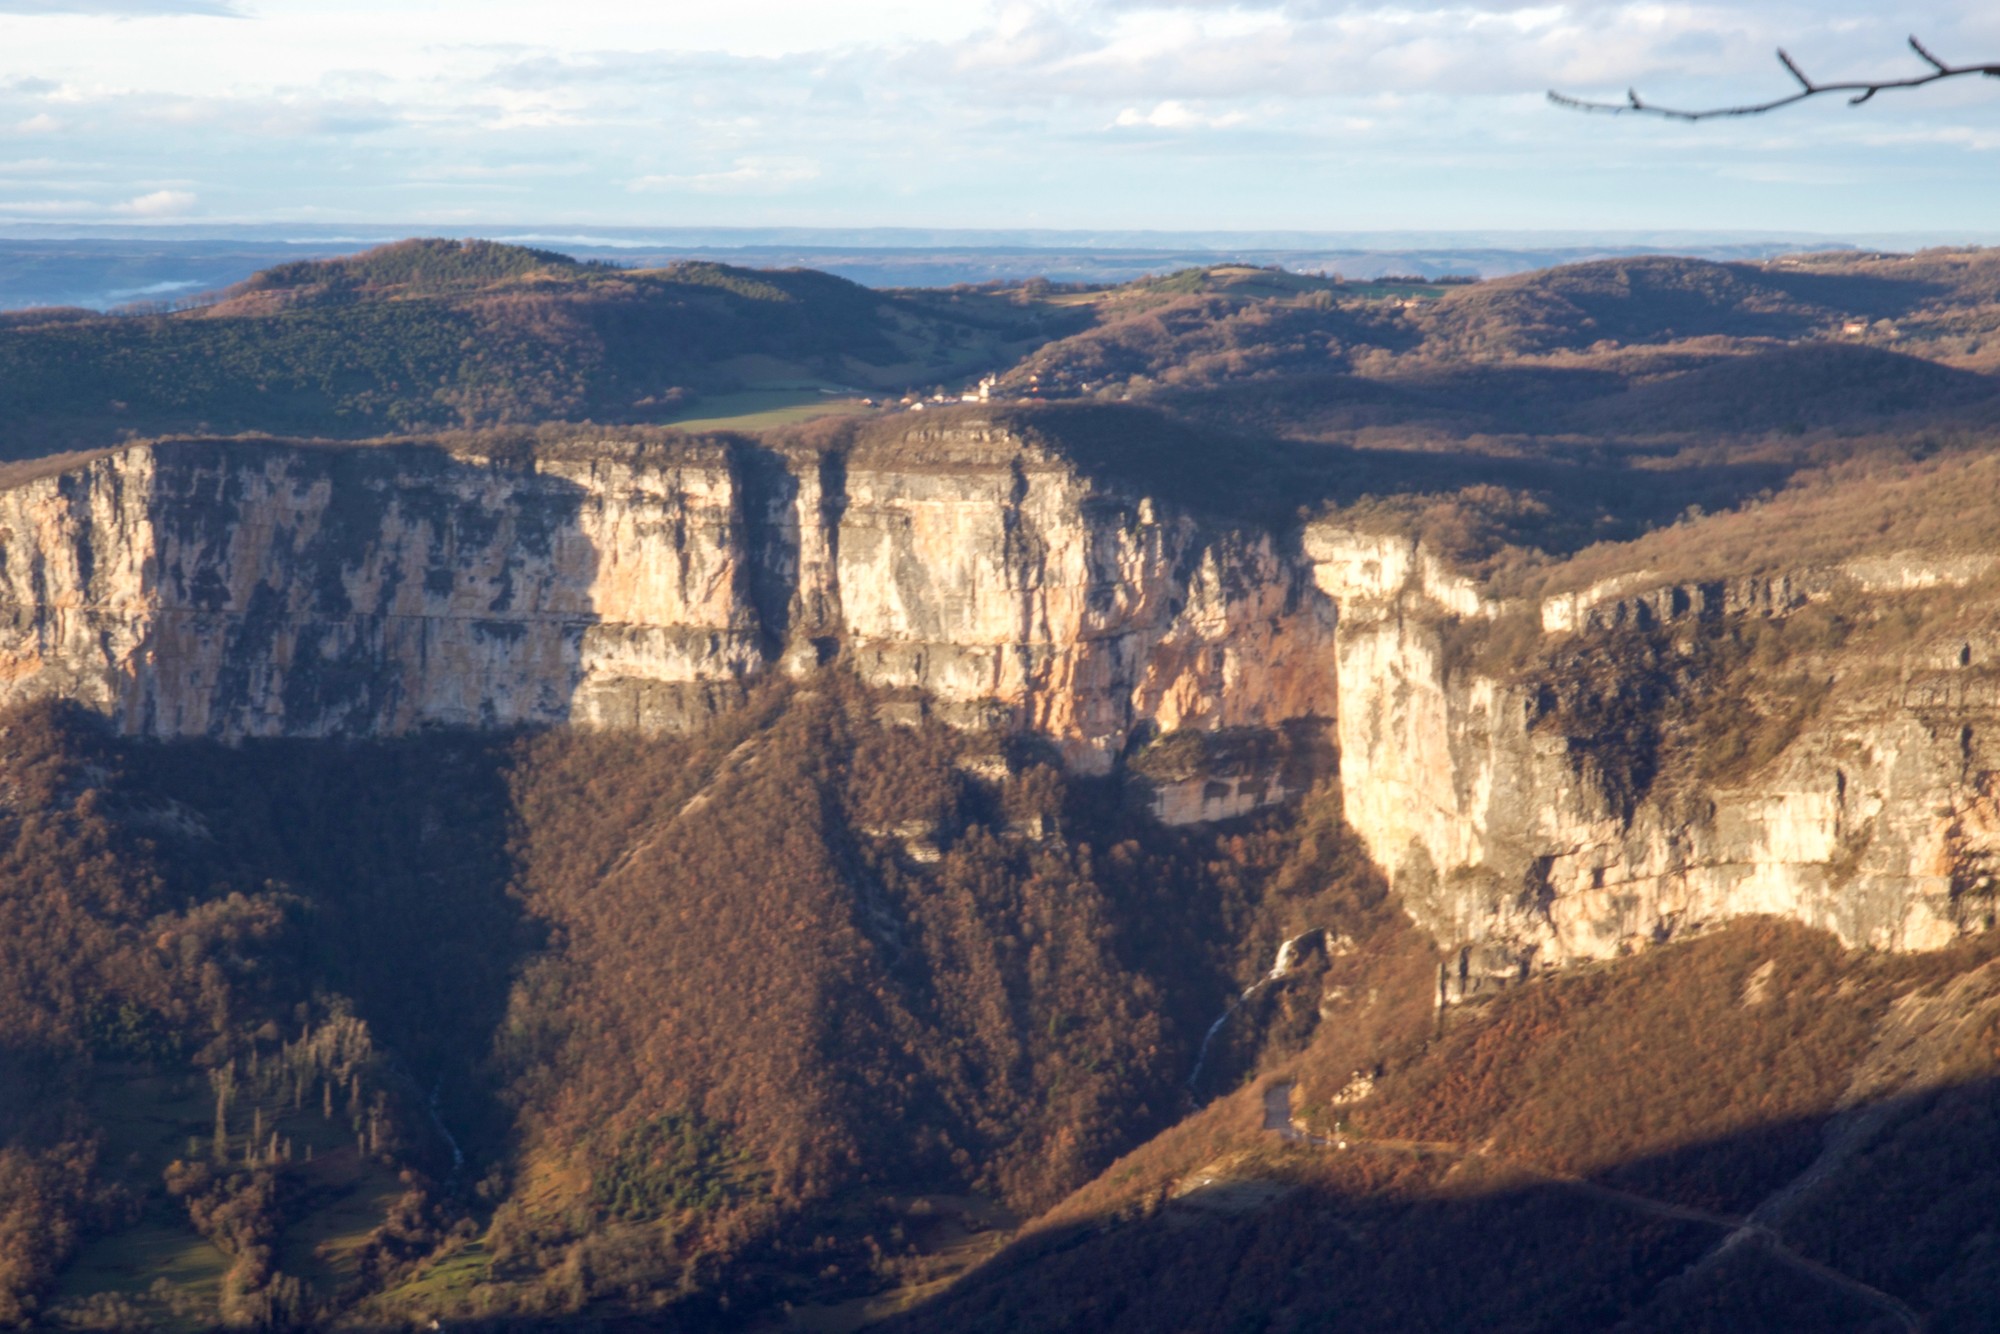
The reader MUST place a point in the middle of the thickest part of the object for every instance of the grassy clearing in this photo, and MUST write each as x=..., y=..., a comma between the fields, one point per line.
x=172, y=1272
x=167, y=1269
x=760, y=409
x=150, y=1116
x=133, y=1262
x=445, y=1284
x=322, y=1247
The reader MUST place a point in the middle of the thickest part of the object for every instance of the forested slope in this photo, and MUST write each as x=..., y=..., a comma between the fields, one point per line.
x=1573, y=1155
x=474, y=1025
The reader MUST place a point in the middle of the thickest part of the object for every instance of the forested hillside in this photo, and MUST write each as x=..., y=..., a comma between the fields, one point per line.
x=1751, y=1131
x=563, y=1023
x=425, y=335
x=1607, y=352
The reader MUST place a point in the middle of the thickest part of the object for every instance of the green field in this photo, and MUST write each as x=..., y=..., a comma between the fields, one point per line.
x=160, y=1267
x=760, y=409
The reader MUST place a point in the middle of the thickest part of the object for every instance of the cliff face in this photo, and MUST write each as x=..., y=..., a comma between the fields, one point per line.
x=1010, y=587
x=238, y=590
x=246, y=589
x=1509, y=839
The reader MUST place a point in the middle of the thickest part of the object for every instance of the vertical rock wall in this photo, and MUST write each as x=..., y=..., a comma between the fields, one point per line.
x=238, y=589
x=1010, y=588
x=255, y=589
x=1505, y=840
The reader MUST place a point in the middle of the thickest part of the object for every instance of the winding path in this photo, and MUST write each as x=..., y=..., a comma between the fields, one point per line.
x=1739, y=1231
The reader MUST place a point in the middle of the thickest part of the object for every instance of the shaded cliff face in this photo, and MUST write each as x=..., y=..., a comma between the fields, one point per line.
x=237, y=589
x=1533, y=817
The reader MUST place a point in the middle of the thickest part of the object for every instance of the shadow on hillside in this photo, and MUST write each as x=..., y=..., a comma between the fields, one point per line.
x=31, y=1078
x=1861, y=294
x=399, y=852
x=1590, y=494
x=1805, y=387
x=1442, y=397
x=1744, y=393
x=1900, y=1237
x=1399, y=1240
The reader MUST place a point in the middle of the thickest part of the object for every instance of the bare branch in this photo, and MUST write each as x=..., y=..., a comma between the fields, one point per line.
x=1862, y=90
x=1797, y=73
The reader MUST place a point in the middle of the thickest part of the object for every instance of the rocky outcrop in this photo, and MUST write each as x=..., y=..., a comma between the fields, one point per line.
x=1642, y=599
x=1509, y=844
x=240, y=589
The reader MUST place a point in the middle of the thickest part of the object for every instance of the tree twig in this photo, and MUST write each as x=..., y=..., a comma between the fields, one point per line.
x=1861, y=90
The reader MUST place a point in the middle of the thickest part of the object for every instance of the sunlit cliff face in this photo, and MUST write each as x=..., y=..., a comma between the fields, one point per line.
x=237, y=590
x=241, y=590
x=1506, y=836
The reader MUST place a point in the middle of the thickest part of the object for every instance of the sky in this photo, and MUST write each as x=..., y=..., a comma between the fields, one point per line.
x=1266, y=114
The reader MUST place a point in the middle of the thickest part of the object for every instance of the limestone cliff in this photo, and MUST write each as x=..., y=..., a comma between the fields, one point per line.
x=247, y=589
x=1000, y=580
x=240, y=588
x=1527, y=815
x=1510, y=839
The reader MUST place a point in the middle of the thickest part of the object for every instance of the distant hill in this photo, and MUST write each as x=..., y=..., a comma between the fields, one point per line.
x=430, y=334
x=1630, y=347
x=425, y=335
x=1628, y=300
x=424, y=266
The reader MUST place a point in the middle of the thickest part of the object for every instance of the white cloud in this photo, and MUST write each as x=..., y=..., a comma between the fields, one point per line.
x=1173, y=115
x=893, y=110
x=131, y=9
x=1958, y=136
x=48, y=207
x=158, y=204
x=748, y=176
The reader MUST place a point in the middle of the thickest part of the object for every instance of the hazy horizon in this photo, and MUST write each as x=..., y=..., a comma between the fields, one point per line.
x=1182, y=115
x=109, y=267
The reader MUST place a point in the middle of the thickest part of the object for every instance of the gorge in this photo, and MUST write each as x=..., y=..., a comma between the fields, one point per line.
x=235, y=589
x=717, y=799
